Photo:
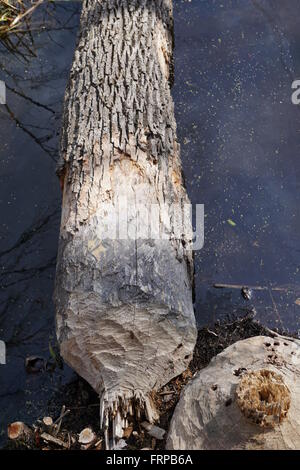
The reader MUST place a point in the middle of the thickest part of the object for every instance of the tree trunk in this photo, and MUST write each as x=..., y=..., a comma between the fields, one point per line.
x=125, y=319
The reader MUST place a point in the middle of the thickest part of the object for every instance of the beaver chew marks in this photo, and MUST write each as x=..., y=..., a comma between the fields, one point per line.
x=263, y=397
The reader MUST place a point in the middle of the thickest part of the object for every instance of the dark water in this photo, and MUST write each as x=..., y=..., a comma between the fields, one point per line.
x=235, y=63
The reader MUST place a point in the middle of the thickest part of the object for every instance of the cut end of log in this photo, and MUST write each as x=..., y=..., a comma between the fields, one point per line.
x=48, y=421
x=263, y=397
x=87, y=436
x=17, y=430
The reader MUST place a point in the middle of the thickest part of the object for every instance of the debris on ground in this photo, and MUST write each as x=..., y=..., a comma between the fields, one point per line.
x=247, y=293
x=34, y=364
x=77, y=404
x=154, y=431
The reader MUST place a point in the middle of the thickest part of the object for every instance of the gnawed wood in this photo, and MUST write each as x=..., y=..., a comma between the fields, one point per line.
x=125, y=319
x=247, y=398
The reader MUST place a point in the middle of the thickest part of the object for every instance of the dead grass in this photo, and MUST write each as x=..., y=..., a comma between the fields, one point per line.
x=14, y=15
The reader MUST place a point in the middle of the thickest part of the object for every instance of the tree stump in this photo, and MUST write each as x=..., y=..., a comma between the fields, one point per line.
x=247, y=398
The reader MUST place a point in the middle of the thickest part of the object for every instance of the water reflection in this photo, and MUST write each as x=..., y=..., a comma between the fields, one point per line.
x=30, y=207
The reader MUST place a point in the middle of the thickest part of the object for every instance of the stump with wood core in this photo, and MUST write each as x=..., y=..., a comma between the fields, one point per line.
x=247, y=398
x=125, y=319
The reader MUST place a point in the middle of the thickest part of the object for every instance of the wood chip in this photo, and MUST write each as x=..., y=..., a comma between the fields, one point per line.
x=54, y=440
x=153, y=430
x=98, y=445
x=87, y=436
x=127, y=432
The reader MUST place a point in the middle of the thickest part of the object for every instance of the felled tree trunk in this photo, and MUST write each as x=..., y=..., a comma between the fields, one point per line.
x=125, y=318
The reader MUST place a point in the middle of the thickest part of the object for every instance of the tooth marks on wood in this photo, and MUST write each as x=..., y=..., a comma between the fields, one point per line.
x=123, y=306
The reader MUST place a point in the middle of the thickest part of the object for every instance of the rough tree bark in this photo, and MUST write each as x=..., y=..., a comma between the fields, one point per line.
x=125, y=319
